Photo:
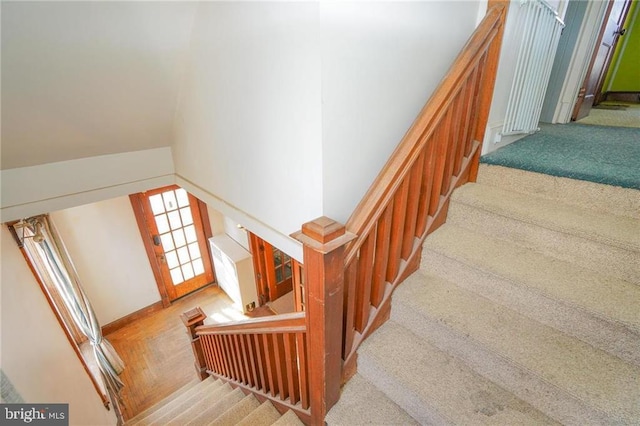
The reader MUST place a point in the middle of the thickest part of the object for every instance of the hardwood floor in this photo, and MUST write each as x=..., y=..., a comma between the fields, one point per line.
x=157, y=352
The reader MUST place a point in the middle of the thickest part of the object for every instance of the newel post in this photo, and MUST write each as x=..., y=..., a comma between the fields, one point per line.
x=324, y=242
x=192, y=319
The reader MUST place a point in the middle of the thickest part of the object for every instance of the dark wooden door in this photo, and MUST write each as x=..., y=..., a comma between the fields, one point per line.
x=274, y=270
x=174, y=226
x=611, y=30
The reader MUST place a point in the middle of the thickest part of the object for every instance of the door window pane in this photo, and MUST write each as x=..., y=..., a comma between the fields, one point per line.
x=174, y=219
x=183, y=255
x=190, y=233
x=198, y=267
x=170, y=202
x=157, y=205
x=187, y=219
x=183, y=197
x=194, y=250
x=162, y=223
x=172, y=259
x=167, y=242
x=178, y=237
x=187, y=271
x=176, y=276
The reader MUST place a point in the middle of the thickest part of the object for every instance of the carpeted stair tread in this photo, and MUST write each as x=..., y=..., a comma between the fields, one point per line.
x=208, y=385
x=589, y=195
x=618, y=231
x=568, y=366
x=434, y=387
x=363, y=403
x=584, y=252
x=288, y=419
x=164, y=401
x=200, y=399
x=608, y=297
x=238, y=412
x=265, y=415
x=208, y=408
x=601, y=332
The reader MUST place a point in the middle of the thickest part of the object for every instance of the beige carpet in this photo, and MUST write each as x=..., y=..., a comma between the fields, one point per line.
x=623, y=117
x=525, y=310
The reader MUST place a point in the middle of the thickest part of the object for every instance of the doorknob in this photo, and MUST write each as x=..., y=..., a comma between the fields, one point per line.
x=156, y=240
x=621, y=31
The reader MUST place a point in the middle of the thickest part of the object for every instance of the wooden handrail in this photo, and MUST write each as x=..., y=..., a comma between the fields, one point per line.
x=283, y=323
x=408, y=200
x=406, y=153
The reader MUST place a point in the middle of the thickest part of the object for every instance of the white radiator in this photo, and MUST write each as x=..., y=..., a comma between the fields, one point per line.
x=540, y=26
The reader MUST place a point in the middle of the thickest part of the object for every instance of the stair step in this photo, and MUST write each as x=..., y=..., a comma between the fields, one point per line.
x=602, y=333
x=607, y=297
x=560, y=375
x=265, y=415
x=238, y=412
x=605, y=199
x=178, y=409
x=607, y=244
x=434, y=387
x=186, y=388
x=363, y=403
x=288, y=419
x=208, y=385
x=208, y=408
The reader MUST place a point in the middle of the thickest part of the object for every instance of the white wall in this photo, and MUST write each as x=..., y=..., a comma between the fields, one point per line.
x=104, y=243
x=36, y=355
x=380, y=63
x=248, y=130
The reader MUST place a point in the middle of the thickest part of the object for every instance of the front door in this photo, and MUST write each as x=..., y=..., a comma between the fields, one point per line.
x=611, y=31
x=175, y=239
x=274, y=269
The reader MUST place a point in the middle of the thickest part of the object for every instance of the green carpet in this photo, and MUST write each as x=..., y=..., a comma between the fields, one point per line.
x=601, y=154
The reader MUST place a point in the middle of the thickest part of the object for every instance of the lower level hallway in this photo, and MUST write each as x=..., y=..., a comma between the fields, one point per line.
x=157, y=351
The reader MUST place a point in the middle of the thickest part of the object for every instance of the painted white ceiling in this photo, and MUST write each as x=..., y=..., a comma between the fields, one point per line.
x=81, y=79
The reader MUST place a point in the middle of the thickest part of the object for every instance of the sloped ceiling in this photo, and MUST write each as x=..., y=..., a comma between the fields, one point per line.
x=81, y=79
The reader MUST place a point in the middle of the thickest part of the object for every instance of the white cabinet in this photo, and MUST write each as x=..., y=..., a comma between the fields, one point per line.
x=234, y=271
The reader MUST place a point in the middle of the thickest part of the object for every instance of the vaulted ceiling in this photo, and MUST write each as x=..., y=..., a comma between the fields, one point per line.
x=81, y=79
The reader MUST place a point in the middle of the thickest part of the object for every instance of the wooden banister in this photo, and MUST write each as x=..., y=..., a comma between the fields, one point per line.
x=299, y=360
x=323, y=248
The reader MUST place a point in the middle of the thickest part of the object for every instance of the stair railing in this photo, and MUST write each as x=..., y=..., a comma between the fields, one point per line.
x=350, y=271
x=299, y=361
x=267, y=356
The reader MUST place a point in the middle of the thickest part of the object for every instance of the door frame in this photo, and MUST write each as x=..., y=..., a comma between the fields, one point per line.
x=138, y=201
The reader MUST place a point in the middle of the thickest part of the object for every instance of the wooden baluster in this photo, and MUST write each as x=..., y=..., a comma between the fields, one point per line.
x=400, y=201
x=251, y=351
x=281, y=371
x=442, y=138
x=425, y=190
x=488, y=83
x=324, y=240
x=239, y=355
x=291, y=359
x=192, y=319
x=270, y=365
x=245, y=361
x=477, y=97
x=383, y=232
x=301, y=347
x=465, y=119
x=228, y=344
x=351, y=276
x=224, y=362
x=454, y=144
x=363, y=283
x=415, y=180
x=260, y=360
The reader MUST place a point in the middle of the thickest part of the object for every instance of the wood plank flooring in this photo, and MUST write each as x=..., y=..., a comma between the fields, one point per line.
x=157, y=352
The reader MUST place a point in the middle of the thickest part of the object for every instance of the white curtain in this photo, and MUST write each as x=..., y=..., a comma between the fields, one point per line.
x=50, y=248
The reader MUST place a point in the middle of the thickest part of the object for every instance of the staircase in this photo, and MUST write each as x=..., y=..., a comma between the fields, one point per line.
x=212, y=402
x=525, y=310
